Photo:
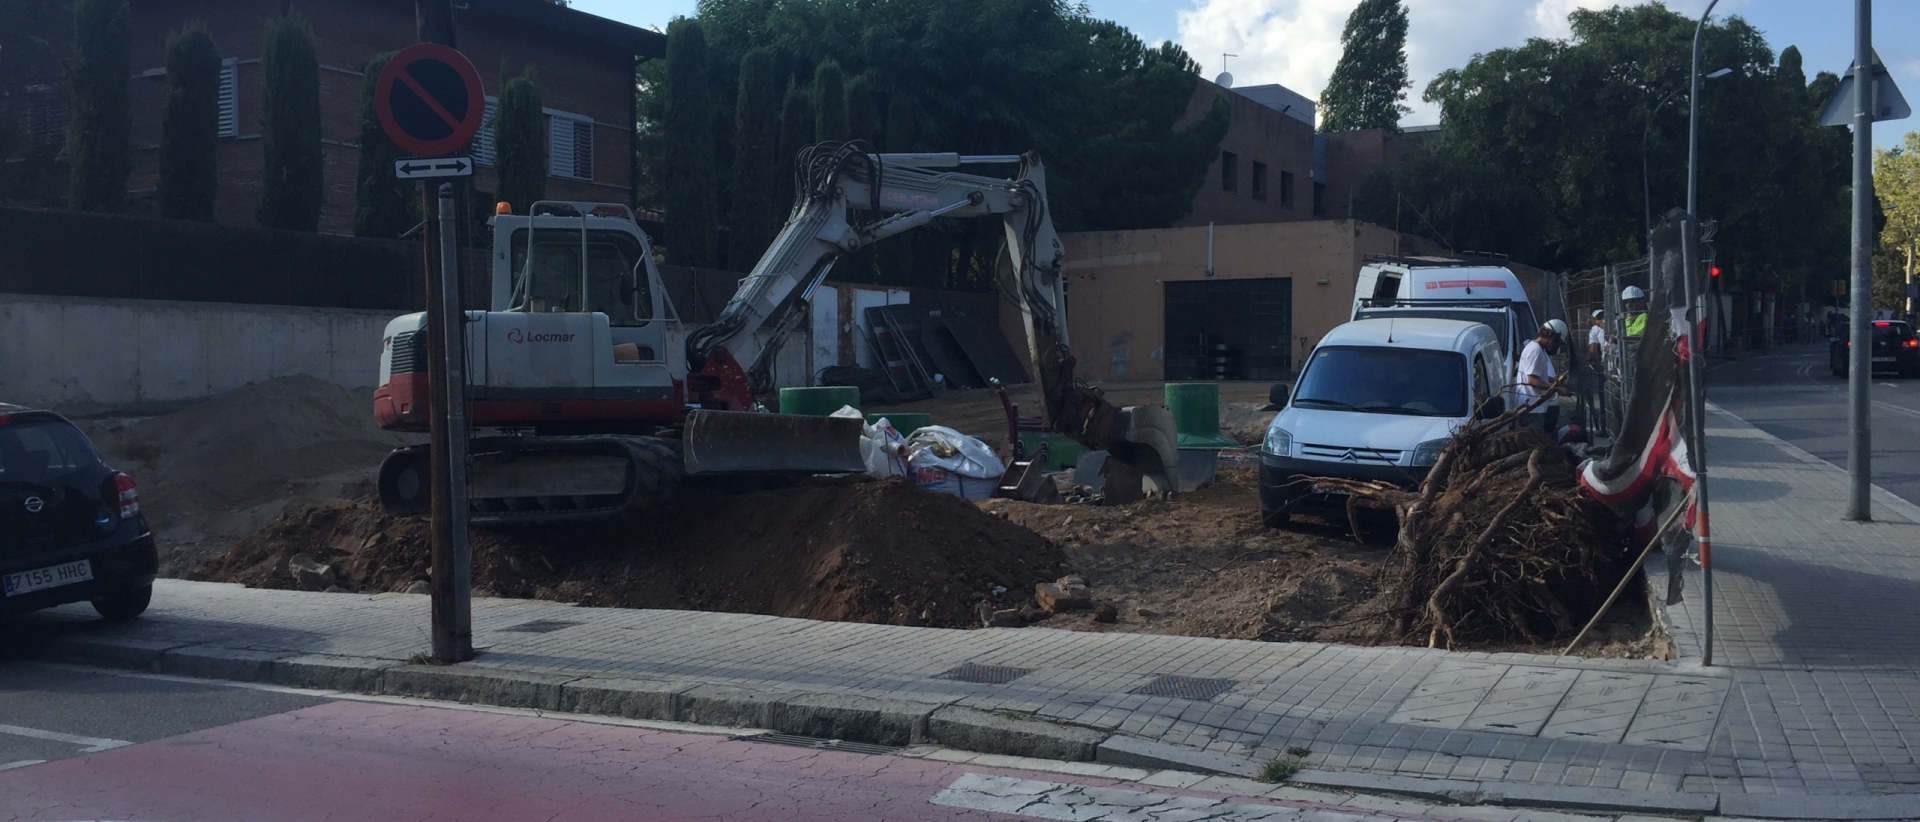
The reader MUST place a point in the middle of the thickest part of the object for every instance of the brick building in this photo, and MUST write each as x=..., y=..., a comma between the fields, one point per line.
x=1352, y=155
x=1270, y=167
x=586, y=67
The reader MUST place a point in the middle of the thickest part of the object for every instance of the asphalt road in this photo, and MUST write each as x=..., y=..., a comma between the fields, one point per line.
x=1791, y=395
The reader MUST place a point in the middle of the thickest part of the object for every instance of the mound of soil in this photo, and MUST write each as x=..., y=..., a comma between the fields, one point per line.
x=846, y=550
x=220, y=469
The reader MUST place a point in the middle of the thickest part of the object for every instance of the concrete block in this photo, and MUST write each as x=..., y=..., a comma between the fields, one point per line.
x=976, y=730
x=330, y=673
x=726, y=706
x=1055, y=598
x=215, y=662
x=853, y=718
x=1441, y=789
x=1135, y=752
x=1595, y=799
x=629, y=698
x=1806, y=806
x=484, y=686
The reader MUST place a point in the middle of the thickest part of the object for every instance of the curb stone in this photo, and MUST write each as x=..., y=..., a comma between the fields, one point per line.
x=873, y=720
x=1447, y=790
x=972, y=729
x=1791, y=806
x=1513, y=794
x=1133, y=751
x=325, y=672
x=725, y=705
x=486, y=686
x=130, y=654
x=214, y=662
x=625, y=698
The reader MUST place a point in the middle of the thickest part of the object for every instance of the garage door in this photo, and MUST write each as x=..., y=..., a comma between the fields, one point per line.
x=1230, y=329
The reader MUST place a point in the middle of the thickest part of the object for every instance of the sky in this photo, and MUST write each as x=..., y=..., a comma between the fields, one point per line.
x=1296, y=42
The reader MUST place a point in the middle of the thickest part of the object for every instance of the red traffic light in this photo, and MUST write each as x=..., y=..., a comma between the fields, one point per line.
x=1713, y=271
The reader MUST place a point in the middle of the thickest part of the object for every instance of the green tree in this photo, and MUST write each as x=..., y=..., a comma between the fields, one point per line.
x=829, y=103
x=520, y=143
x=98, y=152
x=761, y=193
x=1370, y=81
x=1896, y=183
x=190, y=125
x=383, y=206
x=690, y=187
x=291, y=191
x=863, y=115
x=36, y=42
x=796, y=125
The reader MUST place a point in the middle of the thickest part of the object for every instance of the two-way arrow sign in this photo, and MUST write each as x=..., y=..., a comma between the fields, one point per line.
x=415, y=169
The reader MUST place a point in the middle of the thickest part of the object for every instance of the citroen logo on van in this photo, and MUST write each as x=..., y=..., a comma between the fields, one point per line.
x=1349, y=456
x=34, y=504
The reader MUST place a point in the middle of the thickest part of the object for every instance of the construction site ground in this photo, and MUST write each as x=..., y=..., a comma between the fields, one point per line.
x=271, y=486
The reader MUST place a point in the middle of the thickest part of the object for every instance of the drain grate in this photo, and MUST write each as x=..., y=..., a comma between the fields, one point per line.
x=539, y=626
x=1186, y=687
x=816, y=743
x=984, y=674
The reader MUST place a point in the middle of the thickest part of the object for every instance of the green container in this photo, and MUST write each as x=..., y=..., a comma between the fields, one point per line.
x=818, y=401
x=1196, y=414
x=905, y=422
x=1062, y=451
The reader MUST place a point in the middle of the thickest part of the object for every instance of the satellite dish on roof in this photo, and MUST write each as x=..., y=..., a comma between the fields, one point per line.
x=1225, y=80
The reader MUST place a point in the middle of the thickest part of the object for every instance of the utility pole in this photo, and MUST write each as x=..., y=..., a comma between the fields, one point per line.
x=451, y=586
x=1696, y=342
x=1860, y=353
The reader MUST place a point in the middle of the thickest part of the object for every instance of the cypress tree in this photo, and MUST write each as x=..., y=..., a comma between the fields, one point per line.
x=796, y=125
x=830, y=102
x=692, y=233
x=99, y=153
x=190, y=125
x=520, y=143
x=1370, y=81
x=863, y=118
x=383, y=206
x=894, y=255
x=760, y=196
x=290, y=182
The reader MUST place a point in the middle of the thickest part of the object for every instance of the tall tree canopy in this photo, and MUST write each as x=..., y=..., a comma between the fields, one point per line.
x=190, y=125
x=1370, y=81
x=383, y=206
x=291, y=190
x=1896, y=183
x=987, y=77
x=1544, y=143
x=761, y=192
x=520, y=142
x=99, y=153
x=691, y=190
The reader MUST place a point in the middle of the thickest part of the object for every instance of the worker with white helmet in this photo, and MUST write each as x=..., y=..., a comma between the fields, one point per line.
x=1534, y=376
x=1596, y=338
x=1634, y=302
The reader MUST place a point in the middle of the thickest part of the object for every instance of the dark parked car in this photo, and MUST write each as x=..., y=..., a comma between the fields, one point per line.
x=70, y=526
x=1894, y=349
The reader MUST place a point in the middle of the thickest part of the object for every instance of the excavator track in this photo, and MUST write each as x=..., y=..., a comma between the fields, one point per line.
x=543, y=480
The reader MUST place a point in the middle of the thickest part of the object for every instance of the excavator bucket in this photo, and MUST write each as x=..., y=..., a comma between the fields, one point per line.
x=1144, y=436
x=738, y=442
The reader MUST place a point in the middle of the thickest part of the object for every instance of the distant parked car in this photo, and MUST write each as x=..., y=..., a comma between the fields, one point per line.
x=70, y=526
x=1894, y=349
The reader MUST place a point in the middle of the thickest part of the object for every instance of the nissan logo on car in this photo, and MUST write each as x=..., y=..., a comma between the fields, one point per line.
x=34, y=504
x=516, y=336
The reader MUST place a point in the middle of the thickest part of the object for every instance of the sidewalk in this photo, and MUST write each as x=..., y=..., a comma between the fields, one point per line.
x=1807, y=714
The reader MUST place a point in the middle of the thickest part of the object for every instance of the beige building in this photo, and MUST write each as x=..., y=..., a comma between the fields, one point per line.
x=1142, y=305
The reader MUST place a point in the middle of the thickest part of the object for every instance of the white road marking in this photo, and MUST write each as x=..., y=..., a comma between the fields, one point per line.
x=88, y=744
x=1897, y=409
x=1058, y=800
x=21, y=764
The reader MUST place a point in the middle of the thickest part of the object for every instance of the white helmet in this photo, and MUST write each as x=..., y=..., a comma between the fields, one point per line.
x=1633, y=292
x=1597, y=313
x=1556, y=327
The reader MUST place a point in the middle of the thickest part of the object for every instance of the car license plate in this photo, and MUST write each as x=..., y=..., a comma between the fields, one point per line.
x=1883, y=359
x=41, y=579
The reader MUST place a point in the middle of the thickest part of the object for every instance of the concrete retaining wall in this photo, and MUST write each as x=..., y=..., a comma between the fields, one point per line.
x=88, y=356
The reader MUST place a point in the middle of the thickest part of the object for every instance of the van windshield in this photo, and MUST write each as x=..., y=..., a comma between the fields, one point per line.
x=1383, y=380
x=1490, y=318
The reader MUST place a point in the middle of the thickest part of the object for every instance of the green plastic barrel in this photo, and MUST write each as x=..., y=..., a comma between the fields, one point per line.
x=905, y=422
x=818, y=401
x=1196, y=414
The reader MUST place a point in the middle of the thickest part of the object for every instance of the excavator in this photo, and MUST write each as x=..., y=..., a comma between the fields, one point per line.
x=599, y=401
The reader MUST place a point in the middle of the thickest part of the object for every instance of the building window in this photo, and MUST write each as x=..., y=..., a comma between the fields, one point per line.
x=1319, y=199
x=483, y=142
x=1286, y=188
x=1229, y=171
x=570, y=146
x=1260, y=181
x=41, y=114
x=230, y=97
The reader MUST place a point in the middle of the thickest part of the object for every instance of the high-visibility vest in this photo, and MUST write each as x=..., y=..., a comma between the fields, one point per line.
x=1636, y=325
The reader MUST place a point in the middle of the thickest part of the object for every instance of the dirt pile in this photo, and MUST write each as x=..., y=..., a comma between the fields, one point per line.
x=846, y=550
x=218, y=470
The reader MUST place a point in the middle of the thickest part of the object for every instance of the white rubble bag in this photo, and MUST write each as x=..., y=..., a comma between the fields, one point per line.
x=882, y=447
x=950, y=462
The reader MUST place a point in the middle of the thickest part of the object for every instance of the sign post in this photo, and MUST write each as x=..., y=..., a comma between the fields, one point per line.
x=430, y=103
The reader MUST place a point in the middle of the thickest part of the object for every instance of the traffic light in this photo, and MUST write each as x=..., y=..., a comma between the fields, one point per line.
x=1713, y=270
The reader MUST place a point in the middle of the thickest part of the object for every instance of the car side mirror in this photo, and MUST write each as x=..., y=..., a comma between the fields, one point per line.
x=1490, y=408
x=1277, y=395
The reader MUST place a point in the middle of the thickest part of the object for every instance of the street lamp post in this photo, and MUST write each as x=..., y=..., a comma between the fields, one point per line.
x=1646, y=186
x=1859, y=355
x=1696, y=370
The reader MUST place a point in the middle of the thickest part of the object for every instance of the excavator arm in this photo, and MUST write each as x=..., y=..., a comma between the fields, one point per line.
x=849, y=198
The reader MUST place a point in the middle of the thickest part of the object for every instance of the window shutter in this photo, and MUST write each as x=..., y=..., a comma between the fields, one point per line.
x=230, y=97
x=483, y=142
x=583, y=149
x=570, y=147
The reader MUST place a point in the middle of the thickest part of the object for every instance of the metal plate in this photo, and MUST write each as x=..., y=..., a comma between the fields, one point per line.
x=539, y=626
x=1185, y=687
x=984, y=674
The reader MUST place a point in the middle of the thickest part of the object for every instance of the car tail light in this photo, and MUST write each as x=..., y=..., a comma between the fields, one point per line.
x=129, y=495
x=1912, y=343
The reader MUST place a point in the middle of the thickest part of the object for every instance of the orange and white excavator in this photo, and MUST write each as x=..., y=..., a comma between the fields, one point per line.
x=600, y=400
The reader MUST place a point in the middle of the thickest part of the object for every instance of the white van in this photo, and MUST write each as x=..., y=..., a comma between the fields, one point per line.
x=1446, y=289
x=1377, y=400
